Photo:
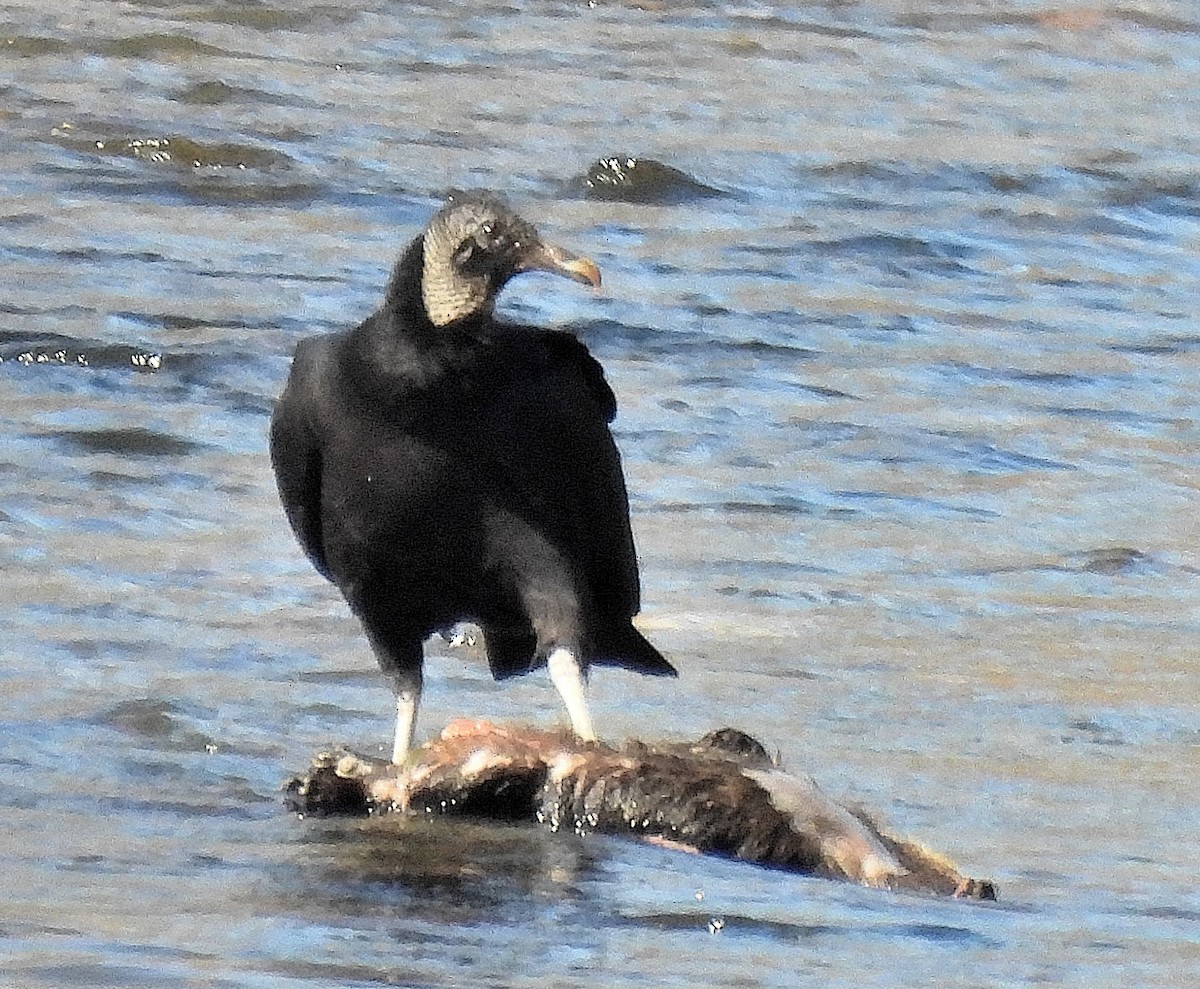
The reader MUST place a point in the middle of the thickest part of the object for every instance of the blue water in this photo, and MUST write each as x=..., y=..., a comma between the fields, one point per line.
x=909, y=419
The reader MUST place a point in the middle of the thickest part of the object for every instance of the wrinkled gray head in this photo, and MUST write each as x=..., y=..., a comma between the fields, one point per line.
x=473, y=246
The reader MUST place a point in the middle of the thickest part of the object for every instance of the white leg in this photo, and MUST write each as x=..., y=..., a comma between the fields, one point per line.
x=401, y=664
x=408, y=700
x=567, y=675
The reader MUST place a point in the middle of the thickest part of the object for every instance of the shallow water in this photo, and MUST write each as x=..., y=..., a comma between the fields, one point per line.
x=910, y=421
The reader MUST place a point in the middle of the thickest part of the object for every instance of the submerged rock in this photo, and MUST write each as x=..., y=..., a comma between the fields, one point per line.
x=643, y=180
x=722, y=795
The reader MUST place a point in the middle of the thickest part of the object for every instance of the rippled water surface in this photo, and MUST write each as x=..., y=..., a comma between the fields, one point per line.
x=909, y=413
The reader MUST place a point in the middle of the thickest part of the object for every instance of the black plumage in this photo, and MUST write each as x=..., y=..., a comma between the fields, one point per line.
x=440, y=465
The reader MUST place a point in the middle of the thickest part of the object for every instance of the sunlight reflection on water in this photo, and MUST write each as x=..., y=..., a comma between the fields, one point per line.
x=909, y=420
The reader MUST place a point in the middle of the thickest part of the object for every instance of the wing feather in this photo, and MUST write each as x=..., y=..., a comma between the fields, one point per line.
x=296, y=454
x=549, y=441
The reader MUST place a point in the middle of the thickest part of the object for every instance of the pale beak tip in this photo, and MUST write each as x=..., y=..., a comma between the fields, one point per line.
x=585, y=270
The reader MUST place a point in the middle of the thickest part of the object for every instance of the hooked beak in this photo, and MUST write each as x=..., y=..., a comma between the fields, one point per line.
x=559, y=261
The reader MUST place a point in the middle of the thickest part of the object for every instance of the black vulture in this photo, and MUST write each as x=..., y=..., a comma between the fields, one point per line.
x=440, y=465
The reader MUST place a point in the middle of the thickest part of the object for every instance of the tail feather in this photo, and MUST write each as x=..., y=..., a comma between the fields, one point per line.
x=623, y=645
x=513, y=652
